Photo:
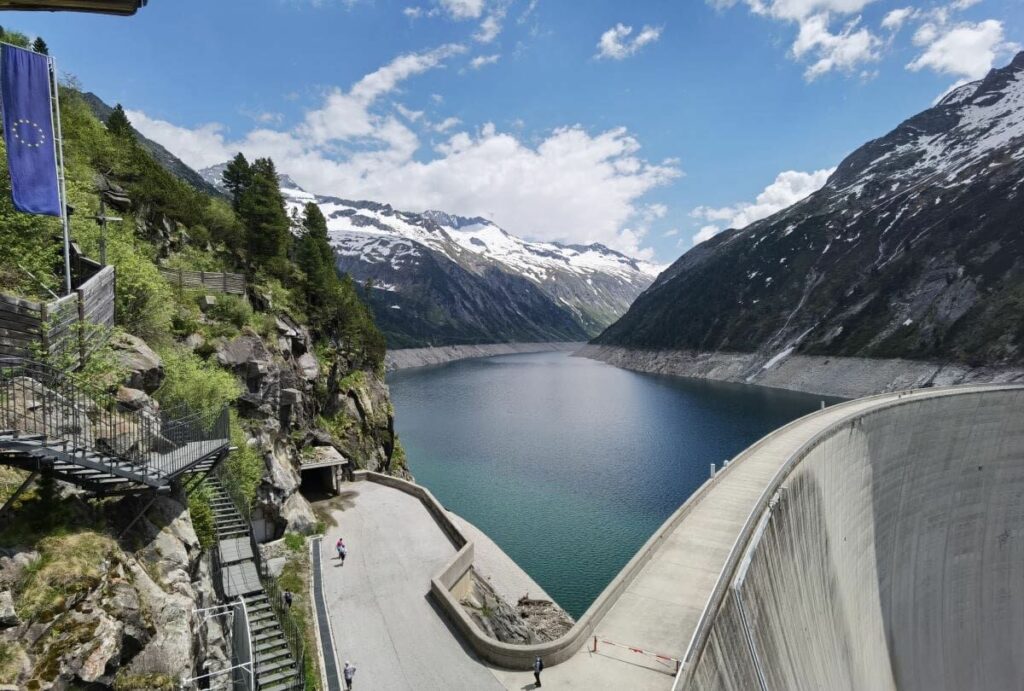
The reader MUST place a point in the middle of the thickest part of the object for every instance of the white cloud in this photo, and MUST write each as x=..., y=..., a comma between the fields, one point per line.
x=483, y=60
x=671, y=232
x=616, y=44
x=845, y=50
x=463, y=9
x=446, y=124
x=967, y=50
x=788, y=188
x=199, y=146
x=706, y=233
x=894, y=20
x=827, y=50
x=490, y=27
x=573, y=186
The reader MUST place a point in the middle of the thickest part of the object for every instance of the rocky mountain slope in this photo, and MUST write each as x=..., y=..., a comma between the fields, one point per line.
x=914, y=249
x=174, y=165
x=438, y=279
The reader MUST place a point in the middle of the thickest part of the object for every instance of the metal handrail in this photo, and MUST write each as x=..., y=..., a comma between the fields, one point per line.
x=292, y=632
x=54, y=406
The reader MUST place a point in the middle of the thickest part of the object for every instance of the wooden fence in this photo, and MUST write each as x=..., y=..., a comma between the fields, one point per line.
x=206, y=280
x=71, y=326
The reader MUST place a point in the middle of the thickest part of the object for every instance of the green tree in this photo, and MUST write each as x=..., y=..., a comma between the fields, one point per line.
x=261, y=208
x=118, y=123
x=237, y=177
x=39, y=46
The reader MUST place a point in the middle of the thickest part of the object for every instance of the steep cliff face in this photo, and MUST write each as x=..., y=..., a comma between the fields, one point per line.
x=914, y=248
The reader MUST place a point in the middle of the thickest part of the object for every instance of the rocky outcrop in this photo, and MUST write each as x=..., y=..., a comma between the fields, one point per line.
x=293, y=404
x=145, y=369
x=88, y=611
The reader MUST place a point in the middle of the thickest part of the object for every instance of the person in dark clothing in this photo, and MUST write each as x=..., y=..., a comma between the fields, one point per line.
x=538, y=667
x=288, y=598
x=349, y=673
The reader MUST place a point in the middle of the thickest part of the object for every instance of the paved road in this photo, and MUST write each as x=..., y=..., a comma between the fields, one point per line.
x=383, y=620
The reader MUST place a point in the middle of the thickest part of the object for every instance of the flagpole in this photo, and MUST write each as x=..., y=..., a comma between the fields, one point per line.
x=58, y=149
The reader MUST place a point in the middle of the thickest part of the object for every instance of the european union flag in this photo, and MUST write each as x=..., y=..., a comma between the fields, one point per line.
x=28, y=130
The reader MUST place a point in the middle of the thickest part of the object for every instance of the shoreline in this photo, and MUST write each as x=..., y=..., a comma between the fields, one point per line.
x=844, y=377
x=409, y=358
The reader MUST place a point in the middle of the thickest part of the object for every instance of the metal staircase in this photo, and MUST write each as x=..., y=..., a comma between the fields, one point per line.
x=52, y=423
x=237, y=563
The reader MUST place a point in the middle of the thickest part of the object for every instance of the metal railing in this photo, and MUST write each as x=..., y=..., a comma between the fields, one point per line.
x=289, y=626
x=88, y=424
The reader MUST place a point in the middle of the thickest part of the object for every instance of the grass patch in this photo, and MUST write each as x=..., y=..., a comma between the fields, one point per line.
x=144, y=682
x=192, y=381
x=69, y=565
x=295, y=577
x=10, y=661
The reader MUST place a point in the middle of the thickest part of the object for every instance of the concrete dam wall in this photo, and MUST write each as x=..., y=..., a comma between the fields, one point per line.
x=891, y=557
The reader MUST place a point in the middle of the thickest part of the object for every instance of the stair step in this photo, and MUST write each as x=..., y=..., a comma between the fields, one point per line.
x=265, y=668
x=265, y=647
x=269, y=633
x=277, y=687
x=276, y=677
x=275, y=655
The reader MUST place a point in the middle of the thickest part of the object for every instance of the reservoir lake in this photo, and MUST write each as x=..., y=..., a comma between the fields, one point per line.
x=570, y=464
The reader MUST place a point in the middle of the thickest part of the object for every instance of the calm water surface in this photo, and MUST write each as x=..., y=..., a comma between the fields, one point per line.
x=570, y=464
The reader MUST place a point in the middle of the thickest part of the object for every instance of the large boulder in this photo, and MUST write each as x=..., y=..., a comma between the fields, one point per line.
x=145, y=368
x=298, y=515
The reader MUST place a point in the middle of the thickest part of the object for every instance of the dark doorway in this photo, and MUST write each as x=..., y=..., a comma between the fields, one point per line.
x=317, y=483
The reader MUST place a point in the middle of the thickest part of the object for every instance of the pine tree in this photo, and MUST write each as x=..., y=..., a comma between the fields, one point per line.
x=237, y=177
x=39, y=46
x=118, y=123
x=261, y=208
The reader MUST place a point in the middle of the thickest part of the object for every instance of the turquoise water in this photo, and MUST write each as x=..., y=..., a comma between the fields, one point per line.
x=570, y=464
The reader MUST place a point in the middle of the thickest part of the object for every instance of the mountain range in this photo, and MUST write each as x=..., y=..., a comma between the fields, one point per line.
x=435, y=278
x=914, y=248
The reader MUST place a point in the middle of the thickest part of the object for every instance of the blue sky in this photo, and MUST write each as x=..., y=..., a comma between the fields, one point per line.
x=643, y=125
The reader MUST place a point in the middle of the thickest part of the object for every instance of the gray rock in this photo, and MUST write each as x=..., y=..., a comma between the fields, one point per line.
x=145, y=368
x=309, y=366
x=207, y=302
x=135, y=399
x=8, y=617
x=298, y=514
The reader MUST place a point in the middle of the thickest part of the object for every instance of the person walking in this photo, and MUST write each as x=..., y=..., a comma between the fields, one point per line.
x=538, y=667
x=342, y=550
x=288, y=598
x=349, y=673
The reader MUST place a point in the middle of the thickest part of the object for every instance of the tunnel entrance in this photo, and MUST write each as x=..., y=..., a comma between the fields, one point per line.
x=319, y=483
x=322, y=470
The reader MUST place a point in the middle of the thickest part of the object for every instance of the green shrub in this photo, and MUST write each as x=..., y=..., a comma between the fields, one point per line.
x=202, y=516
x=244, y=467
x=294, y=541
x=189, y=380
x=231, y=309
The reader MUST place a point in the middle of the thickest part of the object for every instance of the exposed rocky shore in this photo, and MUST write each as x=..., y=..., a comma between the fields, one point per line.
x=407, y=358
x=846, y=377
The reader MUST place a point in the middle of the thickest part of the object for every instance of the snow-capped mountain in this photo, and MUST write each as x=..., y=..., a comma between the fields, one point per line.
x=506, y=288
x=913, y=248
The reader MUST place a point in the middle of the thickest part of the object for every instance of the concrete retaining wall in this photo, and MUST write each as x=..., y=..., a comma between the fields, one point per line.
x=892, y=557
x=522, y=656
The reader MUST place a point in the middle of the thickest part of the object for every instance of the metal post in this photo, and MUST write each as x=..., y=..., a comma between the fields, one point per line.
x=102, y=218
x=712, y=470
x=58, y=150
